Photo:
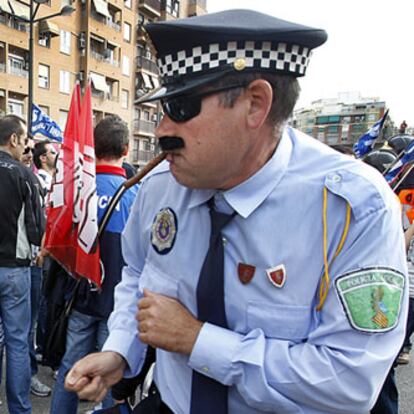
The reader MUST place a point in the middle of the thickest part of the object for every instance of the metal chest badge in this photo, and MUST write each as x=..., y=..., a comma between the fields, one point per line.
x=245, y=272
x=164, y=231
x=277, y=275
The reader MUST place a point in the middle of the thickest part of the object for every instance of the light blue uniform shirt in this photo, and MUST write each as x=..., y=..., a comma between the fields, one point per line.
x=279, y=354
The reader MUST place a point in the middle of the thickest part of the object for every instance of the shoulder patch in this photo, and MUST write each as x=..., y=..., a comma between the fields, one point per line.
x=371, y=298
x=164, y=231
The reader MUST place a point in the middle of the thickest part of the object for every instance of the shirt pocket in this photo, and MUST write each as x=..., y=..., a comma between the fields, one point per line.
x=279, y=321
x=155, y=280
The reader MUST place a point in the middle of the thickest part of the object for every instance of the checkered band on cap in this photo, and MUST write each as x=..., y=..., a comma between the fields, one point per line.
x=280, y=57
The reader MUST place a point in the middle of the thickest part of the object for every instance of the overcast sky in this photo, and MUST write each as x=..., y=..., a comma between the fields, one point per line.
x=370, y=48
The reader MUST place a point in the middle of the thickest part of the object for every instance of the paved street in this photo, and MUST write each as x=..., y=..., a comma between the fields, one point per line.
x=405, y=378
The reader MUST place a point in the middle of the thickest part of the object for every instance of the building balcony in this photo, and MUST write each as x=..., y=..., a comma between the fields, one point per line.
x=151, y=6
x=114, y=25
x=13, y=70
x=98, y=94
x=144, y=127
x=141, y=157
x=101, y=58
x=14, y=24
x=106, y=21
x=147, y=64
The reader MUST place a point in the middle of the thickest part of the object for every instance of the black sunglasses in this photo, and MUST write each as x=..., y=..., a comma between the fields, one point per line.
x=184, y=107
x=27, y=150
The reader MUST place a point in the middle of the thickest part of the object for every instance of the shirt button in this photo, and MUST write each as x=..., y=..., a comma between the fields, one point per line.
x=336, y=178
x=224, y=240
x=205, y=369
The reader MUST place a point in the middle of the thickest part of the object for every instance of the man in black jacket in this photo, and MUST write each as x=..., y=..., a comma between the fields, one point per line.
x=20, y=226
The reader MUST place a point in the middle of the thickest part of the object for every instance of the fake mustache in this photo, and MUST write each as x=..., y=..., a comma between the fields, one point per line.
x=171, y=143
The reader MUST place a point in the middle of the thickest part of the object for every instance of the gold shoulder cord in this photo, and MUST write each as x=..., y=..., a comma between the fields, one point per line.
x=324, y=285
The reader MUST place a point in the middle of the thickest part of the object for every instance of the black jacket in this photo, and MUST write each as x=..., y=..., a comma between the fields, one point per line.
x=21, y=219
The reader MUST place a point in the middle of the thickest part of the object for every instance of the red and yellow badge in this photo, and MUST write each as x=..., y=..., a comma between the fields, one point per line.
x=245, y=272
x=277, y=275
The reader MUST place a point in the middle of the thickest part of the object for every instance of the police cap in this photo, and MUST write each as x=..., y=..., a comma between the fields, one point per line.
x=195, y=51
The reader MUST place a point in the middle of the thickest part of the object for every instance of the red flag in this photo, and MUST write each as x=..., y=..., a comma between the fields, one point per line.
x=71, y=227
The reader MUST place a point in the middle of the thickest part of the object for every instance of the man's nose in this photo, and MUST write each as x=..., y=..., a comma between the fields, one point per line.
x=166, y=127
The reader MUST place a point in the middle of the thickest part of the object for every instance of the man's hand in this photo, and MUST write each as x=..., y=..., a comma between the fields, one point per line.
x=165, y=323
x=92, y=376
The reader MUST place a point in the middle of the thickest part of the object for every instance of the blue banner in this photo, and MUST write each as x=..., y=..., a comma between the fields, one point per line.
x=367, y=141
x=44, y=125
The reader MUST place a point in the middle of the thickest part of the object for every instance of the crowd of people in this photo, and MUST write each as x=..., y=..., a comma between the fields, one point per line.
x=87, y=328
x=260, y=270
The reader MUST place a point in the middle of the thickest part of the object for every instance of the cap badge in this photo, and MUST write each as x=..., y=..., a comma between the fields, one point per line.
x=239, y=64
x=245, y=272
x=277, y=275
x=164, y=231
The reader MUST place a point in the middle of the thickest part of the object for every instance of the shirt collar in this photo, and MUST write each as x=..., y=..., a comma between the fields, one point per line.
x=248, y=195
x=110, y=169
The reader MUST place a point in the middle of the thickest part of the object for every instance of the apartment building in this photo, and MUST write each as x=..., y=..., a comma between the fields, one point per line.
x=102, y=41
x=146, y=116
x=342, y=120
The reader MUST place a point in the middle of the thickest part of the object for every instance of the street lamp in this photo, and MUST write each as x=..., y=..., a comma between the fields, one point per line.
x=65, y=11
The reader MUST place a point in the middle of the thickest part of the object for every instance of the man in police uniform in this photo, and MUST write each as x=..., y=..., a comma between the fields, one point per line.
x=314, y=293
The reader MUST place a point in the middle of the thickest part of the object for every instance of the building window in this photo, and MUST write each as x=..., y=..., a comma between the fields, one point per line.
x=17, y=65
x=127, y=32
x=44, y=39
x=128, y=4
x=125, y=65
x=124, y=98
x=15, y=107
x=65, y=38
x=43, y=80
x=66, y=3
x=172, y=7
x=322, y=120
x=63, y=117
x=64, y=81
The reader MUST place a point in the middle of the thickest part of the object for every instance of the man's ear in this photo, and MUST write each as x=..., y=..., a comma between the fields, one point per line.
x=260, y=94
x=14, y=140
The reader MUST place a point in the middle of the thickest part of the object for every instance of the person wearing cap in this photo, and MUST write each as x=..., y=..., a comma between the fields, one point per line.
x=247, y=313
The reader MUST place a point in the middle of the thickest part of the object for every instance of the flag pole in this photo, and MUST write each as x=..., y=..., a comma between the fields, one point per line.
x=399, y=156
x=395, y=187
x=127, y=184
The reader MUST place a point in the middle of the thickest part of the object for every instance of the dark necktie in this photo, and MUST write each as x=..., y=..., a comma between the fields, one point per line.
x=207, y=395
